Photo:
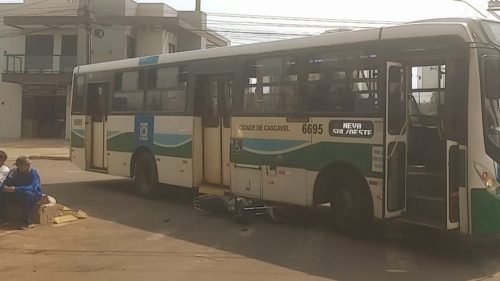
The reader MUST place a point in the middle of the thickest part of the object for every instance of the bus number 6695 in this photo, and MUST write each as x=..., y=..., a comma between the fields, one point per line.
x=315, y=129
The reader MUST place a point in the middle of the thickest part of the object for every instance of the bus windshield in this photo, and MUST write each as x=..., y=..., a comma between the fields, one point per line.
x=492, y=31
x=491, y=96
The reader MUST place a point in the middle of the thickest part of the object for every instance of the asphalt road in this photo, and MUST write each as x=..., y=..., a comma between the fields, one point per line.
x=131, y=238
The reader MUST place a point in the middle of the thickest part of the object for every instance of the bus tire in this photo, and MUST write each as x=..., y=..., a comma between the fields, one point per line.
x=352, y=210
x=146, y=176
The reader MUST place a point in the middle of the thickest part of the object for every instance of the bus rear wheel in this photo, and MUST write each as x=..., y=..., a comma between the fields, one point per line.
x=352, y=211
x=146, y=176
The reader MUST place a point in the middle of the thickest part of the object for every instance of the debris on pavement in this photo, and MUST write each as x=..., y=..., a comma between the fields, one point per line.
x=65, y=218
x=48, y=211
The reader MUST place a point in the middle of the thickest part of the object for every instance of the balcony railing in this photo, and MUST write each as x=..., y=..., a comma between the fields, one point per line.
x=28, y=64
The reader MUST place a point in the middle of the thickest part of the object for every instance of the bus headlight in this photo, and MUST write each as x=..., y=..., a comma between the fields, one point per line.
x=488, y=178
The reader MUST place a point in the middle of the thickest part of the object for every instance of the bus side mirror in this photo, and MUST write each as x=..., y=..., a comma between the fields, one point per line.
x=491, y=76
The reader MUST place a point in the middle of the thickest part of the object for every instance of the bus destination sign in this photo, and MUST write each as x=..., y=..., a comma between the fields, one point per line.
x=353, y=129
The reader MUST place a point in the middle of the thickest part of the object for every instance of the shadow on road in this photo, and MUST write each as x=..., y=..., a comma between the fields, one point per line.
x=392, y=252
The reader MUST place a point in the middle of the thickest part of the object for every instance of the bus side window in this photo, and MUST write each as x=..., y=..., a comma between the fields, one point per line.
x=129, y=91
x=272, y=86
x=397, y=101
x=78, y=106
x=166, y=90
x=341, y=81
x=251, y=100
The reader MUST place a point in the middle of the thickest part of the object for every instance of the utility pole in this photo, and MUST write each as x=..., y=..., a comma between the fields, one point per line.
x=88, y=18
x=88, y=29
x=198, y=5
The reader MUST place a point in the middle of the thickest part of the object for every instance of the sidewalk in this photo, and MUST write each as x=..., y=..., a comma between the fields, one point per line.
x=52, y=149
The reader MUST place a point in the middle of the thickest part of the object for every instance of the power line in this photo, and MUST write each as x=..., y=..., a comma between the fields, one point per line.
x=295, y=27
x=301, y=18
x=275, y=24
x=274, y=17
x=230, y=27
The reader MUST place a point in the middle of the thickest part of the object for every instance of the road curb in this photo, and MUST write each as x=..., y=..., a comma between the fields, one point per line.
x=48, y=157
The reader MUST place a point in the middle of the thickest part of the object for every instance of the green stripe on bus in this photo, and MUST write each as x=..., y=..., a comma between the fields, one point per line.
x=122, y=143
x=485, y=212
x=182, y=151
x=314, y=157
x=126, y=142
x=77, y=140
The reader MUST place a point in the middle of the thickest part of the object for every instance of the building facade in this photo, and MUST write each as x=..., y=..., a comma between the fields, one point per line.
x=42, y=41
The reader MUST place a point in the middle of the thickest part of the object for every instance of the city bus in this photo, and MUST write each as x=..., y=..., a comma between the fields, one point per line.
x=393, y=122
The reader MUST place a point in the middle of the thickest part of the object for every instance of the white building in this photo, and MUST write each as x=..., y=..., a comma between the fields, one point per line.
x=42, y=41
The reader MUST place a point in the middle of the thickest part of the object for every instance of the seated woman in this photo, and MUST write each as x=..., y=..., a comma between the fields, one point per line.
x=4, y=169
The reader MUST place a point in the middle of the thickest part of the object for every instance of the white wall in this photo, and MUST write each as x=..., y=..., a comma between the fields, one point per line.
x=10, y=110
x=153, y=42
x=149, y=42
x=113, y=46
x=131, y=8
x=188, y=41
x=156, y=10
x=10, y=94
x=109, y=7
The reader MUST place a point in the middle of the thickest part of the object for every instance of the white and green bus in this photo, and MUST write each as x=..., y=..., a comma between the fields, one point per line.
x=394, y=122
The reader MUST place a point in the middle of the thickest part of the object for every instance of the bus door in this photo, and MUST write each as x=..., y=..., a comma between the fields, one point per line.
x=396, y=141
x=217, y=91
x=97, y=97
x=434, y=152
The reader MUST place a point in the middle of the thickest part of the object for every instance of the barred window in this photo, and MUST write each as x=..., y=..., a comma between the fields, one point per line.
x=342, y=82
x=272, y=86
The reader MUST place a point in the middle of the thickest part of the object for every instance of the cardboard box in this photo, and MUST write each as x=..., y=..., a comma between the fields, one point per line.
x=45, y=214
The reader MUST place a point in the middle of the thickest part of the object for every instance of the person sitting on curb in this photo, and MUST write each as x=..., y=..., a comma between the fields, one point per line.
x=24, y=183
x=4, y=169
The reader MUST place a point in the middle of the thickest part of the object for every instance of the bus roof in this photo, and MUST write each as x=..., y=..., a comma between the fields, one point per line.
x=431, y=27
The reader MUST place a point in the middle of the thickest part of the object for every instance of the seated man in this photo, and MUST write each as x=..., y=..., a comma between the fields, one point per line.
x=22, y=182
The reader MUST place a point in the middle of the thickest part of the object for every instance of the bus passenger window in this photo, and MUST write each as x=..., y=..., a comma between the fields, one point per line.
x=272, y=86
x=334, y=85
x=165, y=90
x=343, y=100
x=397, y=101
x=129, y=91
x=318, y=98
x=153, y=101
x=251, y=100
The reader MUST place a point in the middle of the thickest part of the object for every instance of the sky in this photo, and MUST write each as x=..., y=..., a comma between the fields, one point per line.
x=281, y=19
x=333, y=10
x=393, y=10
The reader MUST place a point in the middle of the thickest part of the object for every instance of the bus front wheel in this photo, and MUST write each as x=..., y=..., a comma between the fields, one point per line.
x=352, y=210
x=146, y=176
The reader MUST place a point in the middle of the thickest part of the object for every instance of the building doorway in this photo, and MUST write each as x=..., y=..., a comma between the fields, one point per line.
x=43, y=116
